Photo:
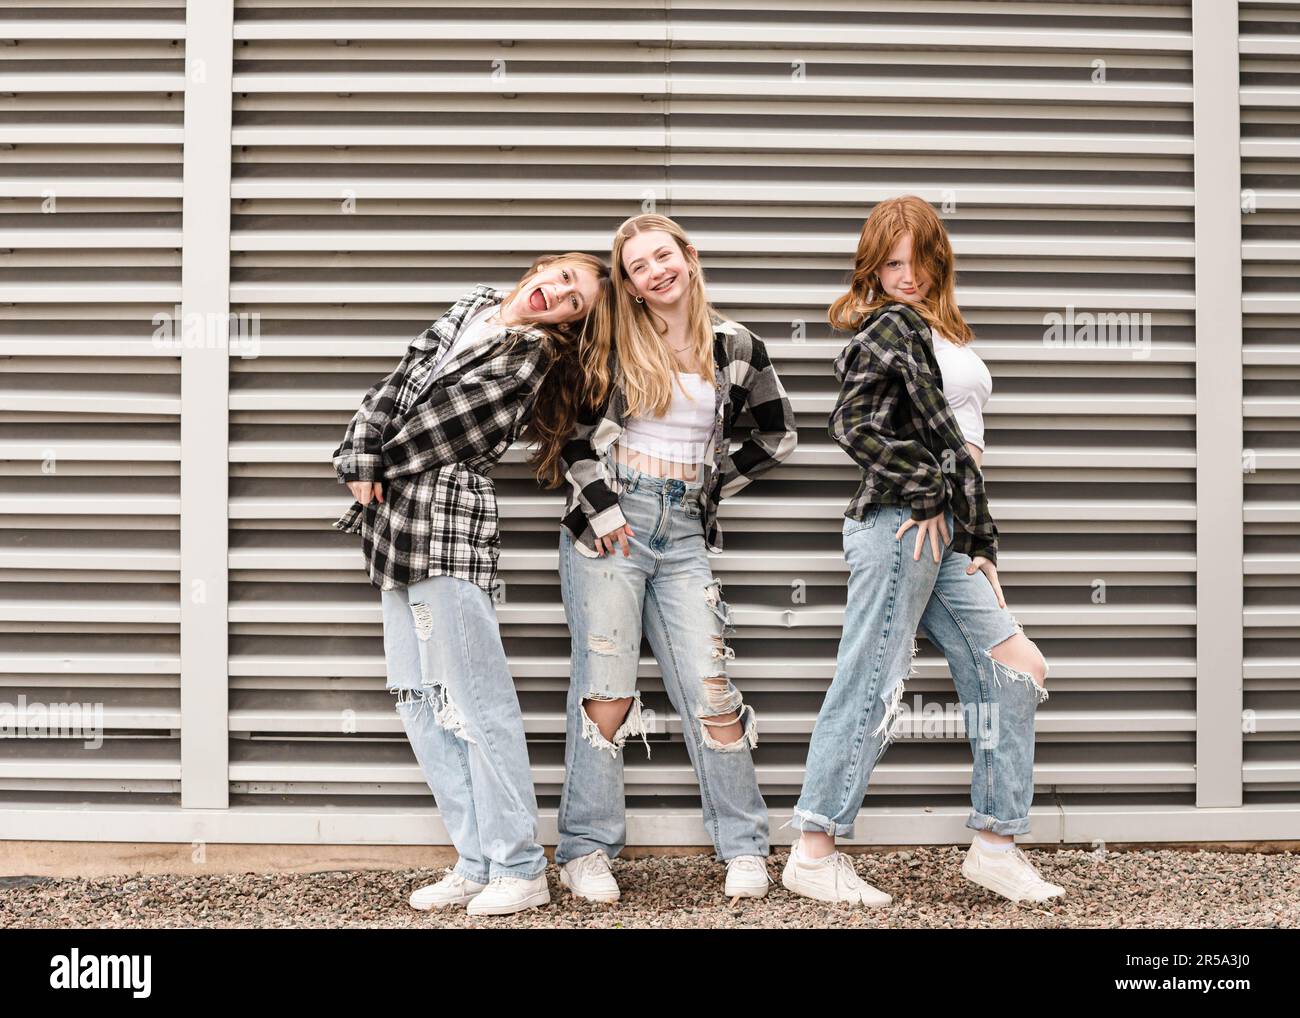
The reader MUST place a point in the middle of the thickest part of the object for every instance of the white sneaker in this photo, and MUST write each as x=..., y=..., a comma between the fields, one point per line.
x=1008, y=873
x=830, y=879
x=747, y=877
x=504, y=895
x=589, y=877
x=453, y=889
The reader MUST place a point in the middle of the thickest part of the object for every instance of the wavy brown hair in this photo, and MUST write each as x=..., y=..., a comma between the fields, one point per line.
x=888, y=222
x=579, y=369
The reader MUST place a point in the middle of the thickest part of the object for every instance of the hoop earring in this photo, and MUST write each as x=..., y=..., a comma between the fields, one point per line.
x=639, y=300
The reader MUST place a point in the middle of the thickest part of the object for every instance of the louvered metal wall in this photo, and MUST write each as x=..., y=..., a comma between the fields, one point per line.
x=386, y=156
x=1270, y=169
x=91, y=159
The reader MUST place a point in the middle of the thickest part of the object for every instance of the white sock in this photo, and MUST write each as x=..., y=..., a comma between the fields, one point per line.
x=805, y=857
x=993, y=846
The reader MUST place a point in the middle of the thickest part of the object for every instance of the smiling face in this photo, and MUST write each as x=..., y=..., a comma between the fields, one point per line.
x=900, y=278
x=559, y=293
x=657, y=269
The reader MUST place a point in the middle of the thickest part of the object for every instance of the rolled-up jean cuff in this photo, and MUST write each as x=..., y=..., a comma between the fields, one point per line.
x=983, y=822
x=470, y=873
x=802, y=820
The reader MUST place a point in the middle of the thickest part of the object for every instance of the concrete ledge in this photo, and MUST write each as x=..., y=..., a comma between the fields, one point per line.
x=176, y=840
x=92, y=859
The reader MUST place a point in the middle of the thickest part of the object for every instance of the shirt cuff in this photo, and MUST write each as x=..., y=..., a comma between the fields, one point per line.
x=927, y=508
x=972, y=547
x=608, y=521
x=360, y=467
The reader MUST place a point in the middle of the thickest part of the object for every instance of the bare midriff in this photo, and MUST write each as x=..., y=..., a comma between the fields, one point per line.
x=655, y=466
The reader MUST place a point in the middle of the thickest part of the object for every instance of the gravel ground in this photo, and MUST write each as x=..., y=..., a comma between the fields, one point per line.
x=1149, y=888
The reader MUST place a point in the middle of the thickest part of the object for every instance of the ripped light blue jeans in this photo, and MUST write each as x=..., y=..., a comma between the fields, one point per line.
x=666, y=589
x=889, y=595
x=458, y=705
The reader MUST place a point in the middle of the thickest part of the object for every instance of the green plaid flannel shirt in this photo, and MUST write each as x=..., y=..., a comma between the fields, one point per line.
x=892, y=418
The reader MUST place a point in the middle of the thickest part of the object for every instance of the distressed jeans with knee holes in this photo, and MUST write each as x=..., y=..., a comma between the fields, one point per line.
x=666, y=590
x=888, y=596
x=458, y=705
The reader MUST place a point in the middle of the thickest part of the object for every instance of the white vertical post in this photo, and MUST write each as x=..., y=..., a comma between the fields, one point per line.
x=205, y=366
x=1219, y=484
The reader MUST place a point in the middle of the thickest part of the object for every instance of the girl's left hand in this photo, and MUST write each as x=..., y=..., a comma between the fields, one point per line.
x=991, y=572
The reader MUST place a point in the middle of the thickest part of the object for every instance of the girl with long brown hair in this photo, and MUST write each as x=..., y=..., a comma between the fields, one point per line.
x=417, y=457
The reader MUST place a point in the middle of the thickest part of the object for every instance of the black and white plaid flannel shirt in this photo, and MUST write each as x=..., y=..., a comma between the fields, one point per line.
x=432, y=444
x=745, y=379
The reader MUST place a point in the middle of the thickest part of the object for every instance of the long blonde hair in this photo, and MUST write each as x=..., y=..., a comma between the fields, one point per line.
x=931, y=252
x=580, y=350
x=646, y=366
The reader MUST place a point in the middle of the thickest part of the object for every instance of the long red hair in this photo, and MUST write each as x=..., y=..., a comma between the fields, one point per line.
x=888, y=222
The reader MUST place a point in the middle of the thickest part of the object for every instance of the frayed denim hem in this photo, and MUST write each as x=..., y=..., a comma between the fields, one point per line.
x=802, y=820
x=983, y=822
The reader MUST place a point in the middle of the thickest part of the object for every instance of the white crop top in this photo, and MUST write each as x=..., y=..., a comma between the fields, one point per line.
x=967, y=385
x=682, y=433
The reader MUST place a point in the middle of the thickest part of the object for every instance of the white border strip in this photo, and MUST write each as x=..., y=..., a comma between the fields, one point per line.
x=1219, y=483
x=205, y=297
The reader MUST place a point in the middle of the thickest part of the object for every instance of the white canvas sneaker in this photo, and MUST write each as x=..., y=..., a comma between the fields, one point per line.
x=589, y=877
x=504, y=895
x=453, y=889
x=830, y=879
x=747, y=877
x=1008, y=873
